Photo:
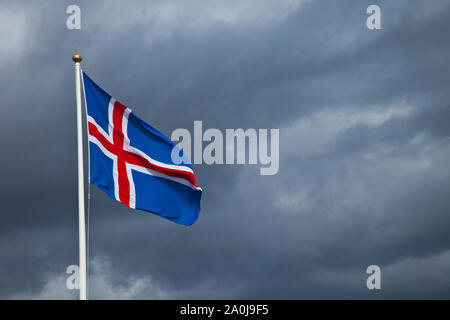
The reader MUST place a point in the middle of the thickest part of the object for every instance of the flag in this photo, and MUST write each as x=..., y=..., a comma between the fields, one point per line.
x=131, y=161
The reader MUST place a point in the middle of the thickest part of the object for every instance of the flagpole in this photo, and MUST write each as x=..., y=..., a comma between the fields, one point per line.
x=81, y=218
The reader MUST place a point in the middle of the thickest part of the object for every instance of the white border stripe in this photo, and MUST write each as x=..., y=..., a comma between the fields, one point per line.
x=132, y=187
x=100, y=129
x=112, y=101
x=113, y=157
x=162, y=175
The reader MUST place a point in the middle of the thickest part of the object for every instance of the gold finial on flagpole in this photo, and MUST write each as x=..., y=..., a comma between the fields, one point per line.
x=77, y=58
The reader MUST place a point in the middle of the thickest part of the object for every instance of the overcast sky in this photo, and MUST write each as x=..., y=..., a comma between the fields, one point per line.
x=364, y=119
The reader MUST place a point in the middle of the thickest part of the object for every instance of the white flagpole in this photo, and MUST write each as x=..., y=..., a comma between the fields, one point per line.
x=81, y=219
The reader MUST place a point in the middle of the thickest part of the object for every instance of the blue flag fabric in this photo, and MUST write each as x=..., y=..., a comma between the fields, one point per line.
x=131, y=161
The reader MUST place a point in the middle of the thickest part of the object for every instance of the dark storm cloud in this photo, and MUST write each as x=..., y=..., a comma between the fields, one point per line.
x=364, y=147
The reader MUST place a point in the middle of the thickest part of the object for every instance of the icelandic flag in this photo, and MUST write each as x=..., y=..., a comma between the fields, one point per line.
x=131, y=161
